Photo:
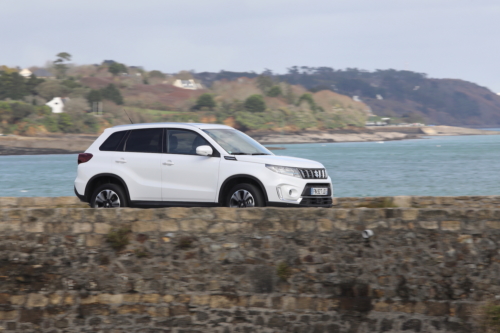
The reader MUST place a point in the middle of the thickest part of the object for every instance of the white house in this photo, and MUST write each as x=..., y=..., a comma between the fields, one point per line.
x=25, y=73
x=56, y=104
x=188, y=84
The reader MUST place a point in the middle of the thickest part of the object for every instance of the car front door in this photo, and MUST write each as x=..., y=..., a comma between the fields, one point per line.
x=187, y=177
x=139, y=164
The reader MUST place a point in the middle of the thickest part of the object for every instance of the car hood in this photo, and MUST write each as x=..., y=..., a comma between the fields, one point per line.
x=280, y=160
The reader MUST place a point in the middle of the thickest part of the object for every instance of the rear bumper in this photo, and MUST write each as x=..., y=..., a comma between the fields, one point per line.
x=81, y=197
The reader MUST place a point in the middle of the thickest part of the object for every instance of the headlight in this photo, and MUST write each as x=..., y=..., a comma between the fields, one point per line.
x=289, y=171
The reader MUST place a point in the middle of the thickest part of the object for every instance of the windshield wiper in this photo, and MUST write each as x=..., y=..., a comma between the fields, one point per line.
x=260, y=154
x=240, y=154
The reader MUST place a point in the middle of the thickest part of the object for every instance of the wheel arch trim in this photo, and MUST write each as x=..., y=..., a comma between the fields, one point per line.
x=88, y=189
x=222, y=188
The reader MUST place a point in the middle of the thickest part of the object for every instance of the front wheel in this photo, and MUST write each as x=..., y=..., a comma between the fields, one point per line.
x=243, y=196
x=108, y=196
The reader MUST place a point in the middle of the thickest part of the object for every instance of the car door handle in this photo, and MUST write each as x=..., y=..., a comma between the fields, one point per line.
x=120, y=161
x=168, y=163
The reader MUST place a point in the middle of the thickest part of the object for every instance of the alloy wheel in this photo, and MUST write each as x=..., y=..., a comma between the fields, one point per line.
x=242, y=199
x=107, y=199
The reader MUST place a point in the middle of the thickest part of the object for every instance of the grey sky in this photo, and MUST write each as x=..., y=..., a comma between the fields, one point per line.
x=443, y=38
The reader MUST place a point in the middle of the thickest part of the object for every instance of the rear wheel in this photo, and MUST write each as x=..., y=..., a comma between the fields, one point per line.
x=243, y=196
x=108, y=196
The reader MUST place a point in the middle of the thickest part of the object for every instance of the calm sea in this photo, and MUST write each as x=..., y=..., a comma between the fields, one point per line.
x=440, y=166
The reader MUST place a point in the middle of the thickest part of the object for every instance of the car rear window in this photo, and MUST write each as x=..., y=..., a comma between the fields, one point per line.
x=113, y=141
x=144, y=141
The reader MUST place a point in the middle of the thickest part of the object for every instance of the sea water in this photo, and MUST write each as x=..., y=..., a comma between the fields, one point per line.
x=436, y=166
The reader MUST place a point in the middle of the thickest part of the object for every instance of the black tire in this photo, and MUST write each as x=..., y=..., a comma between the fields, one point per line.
x=113, y=195
x=240, y=192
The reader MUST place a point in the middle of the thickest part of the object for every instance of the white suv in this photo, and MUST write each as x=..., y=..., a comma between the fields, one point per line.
x=174, y=164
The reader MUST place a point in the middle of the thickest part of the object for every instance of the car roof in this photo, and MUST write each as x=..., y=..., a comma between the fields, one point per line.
x=172, y=125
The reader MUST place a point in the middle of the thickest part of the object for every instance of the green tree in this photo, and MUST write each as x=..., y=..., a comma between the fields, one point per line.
x=64, y=122
x=255, y=103
x=116, y=68
x=205, y=101
x=265, y=82
x=12, y=85
x=21, y=111
x=156, y=74
x=50, y=123
x=60, y=64
x=51, y=88
x=111, y=93
x=274, y=91
x=94, y=96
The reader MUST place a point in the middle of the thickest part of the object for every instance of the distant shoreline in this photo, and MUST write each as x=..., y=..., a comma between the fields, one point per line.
x=74, y=144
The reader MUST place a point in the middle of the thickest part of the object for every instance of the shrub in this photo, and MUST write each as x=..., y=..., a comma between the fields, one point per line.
x=118, y=238
x=490, y=318
x=275, y=91
x=205, y=101
x=255, y=103
x=283, y=271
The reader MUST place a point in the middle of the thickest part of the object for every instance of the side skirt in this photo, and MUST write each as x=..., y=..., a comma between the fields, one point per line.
x=158, y=204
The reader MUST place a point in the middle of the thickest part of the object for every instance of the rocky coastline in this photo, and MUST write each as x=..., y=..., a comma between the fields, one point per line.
x=74, y=143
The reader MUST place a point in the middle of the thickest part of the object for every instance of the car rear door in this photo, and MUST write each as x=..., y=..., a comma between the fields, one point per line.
x=187, y=177
x=139, y=164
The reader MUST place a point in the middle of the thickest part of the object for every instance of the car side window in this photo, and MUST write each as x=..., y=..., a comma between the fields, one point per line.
x=184, y=142
x=112, y=142
x=144, y=141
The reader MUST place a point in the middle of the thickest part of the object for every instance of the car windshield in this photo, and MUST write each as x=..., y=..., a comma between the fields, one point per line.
x=235, y=142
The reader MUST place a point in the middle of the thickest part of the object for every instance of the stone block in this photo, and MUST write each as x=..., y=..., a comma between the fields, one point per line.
x=257, y=301
x=55, y=299
x=428, y=224
x=179, y=310
x=36, y=301
x=178, y=212
x=249, y=214
x=170, y=298
x=8, y=202
x=93, y=240
x=26, y=202
x=8, y=315
x=306, y=225
x=102, y=228
x=195, y=225
x=150, y=298
x=169, y=225
x=438, y=308
x=33, y=227
x=65, y=201
x=409, y=214
x=325, y=225
x=225, y=214
x=221, y=302
x=91, y=299
x=144, y=226
x=131, y=298
x=450, y=225
x=79, y=228
x=10, y=226
x=402, y=201
x=217, y=228
x=198, y=299
x=17, y=299
x=41, y=214
x=131, y=309
x=288, y=303
x=110, y=299
x=381, y=306
x=493, y=224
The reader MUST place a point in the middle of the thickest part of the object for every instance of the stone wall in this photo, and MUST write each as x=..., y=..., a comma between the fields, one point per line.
x=250, y=270
x=345, y=202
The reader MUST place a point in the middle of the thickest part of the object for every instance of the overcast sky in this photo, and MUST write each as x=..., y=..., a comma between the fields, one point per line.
x=443, y=38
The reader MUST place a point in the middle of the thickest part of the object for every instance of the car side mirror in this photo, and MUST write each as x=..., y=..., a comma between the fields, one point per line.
x=204, y=150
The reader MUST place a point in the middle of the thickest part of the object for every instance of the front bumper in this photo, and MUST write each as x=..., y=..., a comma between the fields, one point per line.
x=305, y=199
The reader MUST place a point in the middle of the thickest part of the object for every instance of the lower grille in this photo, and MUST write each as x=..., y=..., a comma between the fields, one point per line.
x=316, y=201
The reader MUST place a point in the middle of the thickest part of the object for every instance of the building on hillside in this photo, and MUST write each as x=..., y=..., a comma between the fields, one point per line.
x=187, y=84
x=43, y=73
x=25, y=73
x=57, y=104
